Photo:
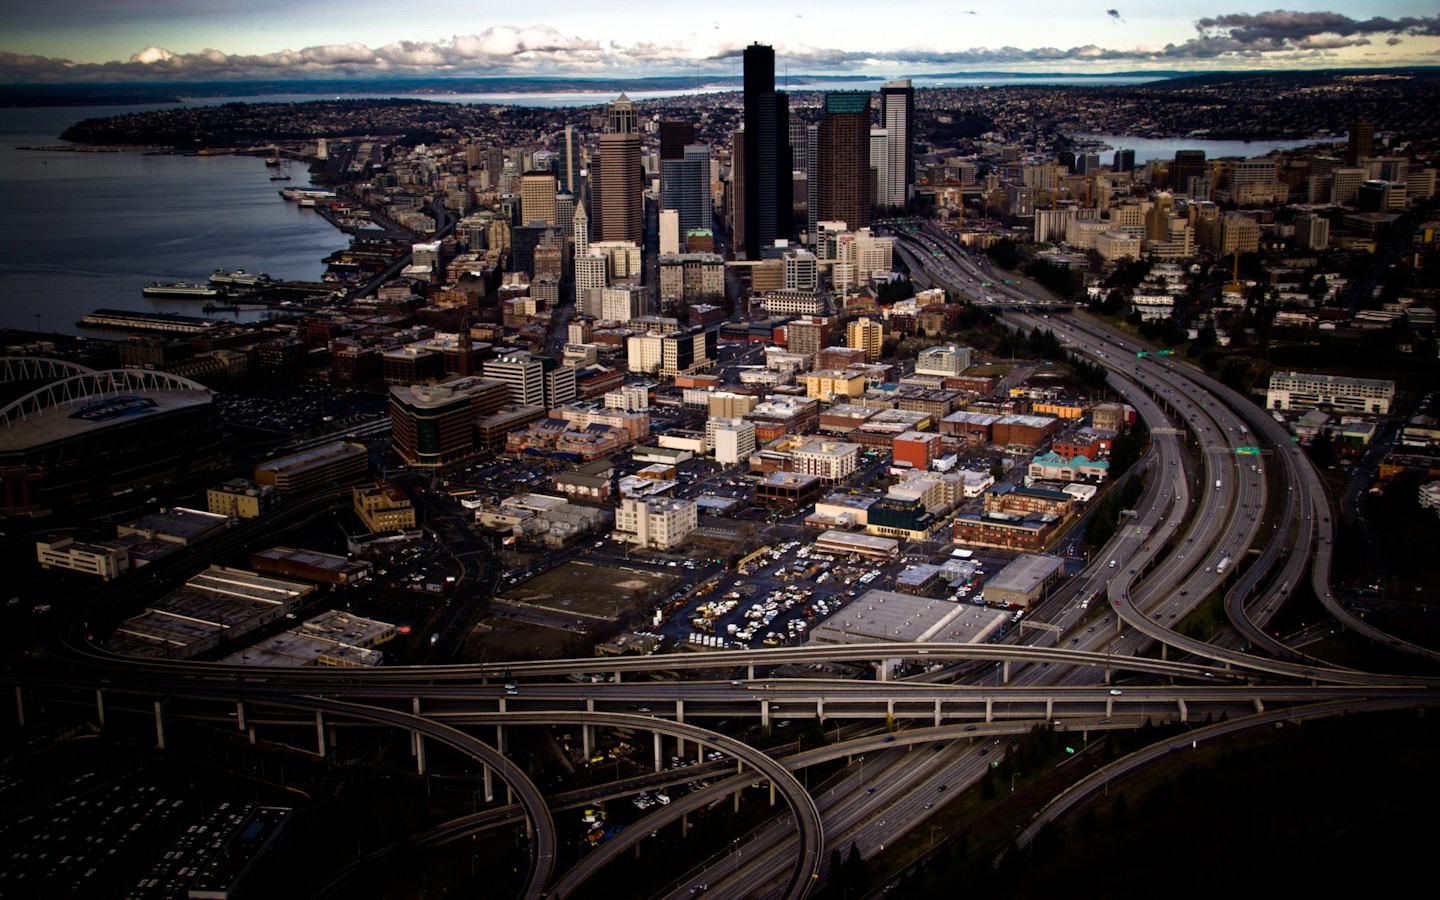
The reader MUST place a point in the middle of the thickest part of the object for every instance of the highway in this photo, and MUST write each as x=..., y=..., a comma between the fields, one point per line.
x=1211, y=518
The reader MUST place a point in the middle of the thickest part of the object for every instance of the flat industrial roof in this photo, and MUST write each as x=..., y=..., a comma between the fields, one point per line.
x=1025, y=573
x=879, y=616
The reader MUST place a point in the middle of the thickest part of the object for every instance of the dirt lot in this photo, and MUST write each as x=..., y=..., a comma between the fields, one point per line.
x=589, y=590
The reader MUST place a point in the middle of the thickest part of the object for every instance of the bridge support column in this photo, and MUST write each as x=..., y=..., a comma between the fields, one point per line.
x=1259, y=705
x=240, y=714
x=772, y=792
x=587, y=740
x=489, y=783
x=617, y=676
x=20, y=705
x=658, y=766
x=500, y=742
x=419, y=754
x=680, y=719
x=764, y=713
x=820, y=711
x=989, y=709
x=882, y=671
x=937, y=712
x=1049, y=709
x=415, y=735
x=250, y=734
x=160, y=724
x=1005, y=672
x=1184, y=711
x=1109, y=707
x=1164, y=652
x=889, y=710
x=100, y=707
x=319, y=734
x=684, y=828
x=749, y=673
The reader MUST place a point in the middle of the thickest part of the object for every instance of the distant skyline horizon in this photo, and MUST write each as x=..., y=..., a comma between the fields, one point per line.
x=119, y=41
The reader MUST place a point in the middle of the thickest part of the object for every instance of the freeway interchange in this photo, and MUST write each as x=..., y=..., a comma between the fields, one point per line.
x=1210, y=517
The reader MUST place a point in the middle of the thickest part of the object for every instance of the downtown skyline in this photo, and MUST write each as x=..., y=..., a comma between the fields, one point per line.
x=168, y=40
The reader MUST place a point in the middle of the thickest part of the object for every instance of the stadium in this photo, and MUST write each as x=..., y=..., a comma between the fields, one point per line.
x=72, y=434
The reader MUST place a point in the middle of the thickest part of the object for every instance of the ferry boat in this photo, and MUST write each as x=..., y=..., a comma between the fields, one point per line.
x=180, y=289
x=239, y=278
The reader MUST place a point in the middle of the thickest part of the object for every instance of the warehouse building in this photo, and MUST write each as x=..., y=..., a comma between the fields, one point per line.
x=1024, y=581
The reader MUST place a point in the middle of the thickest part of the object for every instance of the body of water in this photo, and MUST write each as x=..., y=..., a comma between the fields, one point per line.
x=90, y=230
x=1147, y=149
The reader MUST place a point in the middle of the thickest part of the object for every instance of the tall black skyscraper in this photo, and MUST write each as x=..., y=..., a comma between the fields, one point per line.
x=768, y=189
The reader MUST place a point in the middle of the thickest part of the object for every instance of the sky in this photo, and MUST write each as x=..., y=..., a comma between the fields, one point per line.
x=184, y=40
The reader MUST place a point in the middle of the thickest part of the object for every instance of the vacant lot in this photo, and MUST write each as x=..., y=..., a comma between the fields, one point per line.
x=590, y=591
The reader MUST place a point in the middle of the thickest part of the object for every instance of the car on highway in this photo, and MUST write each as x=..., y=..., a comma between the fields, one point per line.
x=1115, y=692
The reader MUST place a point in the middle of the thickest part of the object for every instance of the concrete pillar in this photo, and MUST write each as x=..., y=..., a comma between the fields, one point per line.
x=1109, y=706
x=820, y=712
x=989, y=709
x=617, y=676
x=882, y=671
x=1164, y=652
x=100, y=707
x=889, y=709
x=684, y=827
x=415, y=735
x=749, y=673
x=160, y=724
x=250, y=733
x=659, y=766
x=764, y=713
x=240, y=714
x=1005, y=672
x=587, y=741
x=772, y=792
x=500, y=742
x=1049, y=709
x=319, y=734
x=489, y=783
x=419, y=753
x=937, y=712
x=679, y=717
x=1259, y=705
x=1184, y=711
x=20, y=705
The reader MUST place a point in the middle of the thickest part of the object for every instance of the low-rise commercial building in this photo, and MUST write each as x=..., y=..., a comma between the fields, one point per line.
x=107, y=559
x=383, y=507
x=1025, y=580
x=337, y=462
x=659, y=523
x=311, y=565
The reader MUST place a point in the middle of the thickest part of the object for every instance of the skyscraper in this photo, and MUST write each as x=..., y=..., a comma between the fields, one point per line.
x=537, y=198
x=846, y=189
x=1361, y=143
x=897, y=116
x=1187, y=164
x=621, y=116
x=1124, y=160
x=571, y=160
x=685, y=187
x=674, y=137
x=616, y=187
x=767, y=179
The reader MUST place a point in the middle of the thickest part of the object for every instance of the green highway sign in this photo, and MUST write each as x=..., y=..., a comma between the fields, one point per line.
x=1247, y=451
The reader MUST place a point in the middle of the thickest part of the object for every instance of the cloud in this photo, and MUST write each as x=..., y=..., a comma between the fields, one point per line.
x=543, y=50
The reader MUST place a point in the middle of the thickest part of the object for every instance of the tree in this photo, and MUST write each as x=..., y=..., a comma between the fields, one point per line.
x=1004, y=254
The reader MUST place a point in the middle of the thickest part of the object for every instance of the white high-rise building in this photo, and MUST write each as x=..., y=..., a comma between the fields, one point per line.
x=897, y=116
x=880, y=162
x=621, y=304
x=733, y=439
x=660, y=523
x=669, y=231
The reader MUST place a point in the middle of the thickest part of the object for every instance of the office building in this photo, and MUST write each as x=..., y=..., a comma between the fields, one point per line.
x=767, y=184
x=1361, y=143
x=107, y=559
x=433, y=425
x=1187, y=166
x=897, y=117
x=322, y=466
x=241, y=498
x=621, y=117
x=833, y=461
x=846, y=182
x=537, y=198
x=685, y=187
x=660, y=523
x=570, y=164
x=733, y=440
x=617, y=187
x=950, y=359
x=532, y=380
x=383, y=507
